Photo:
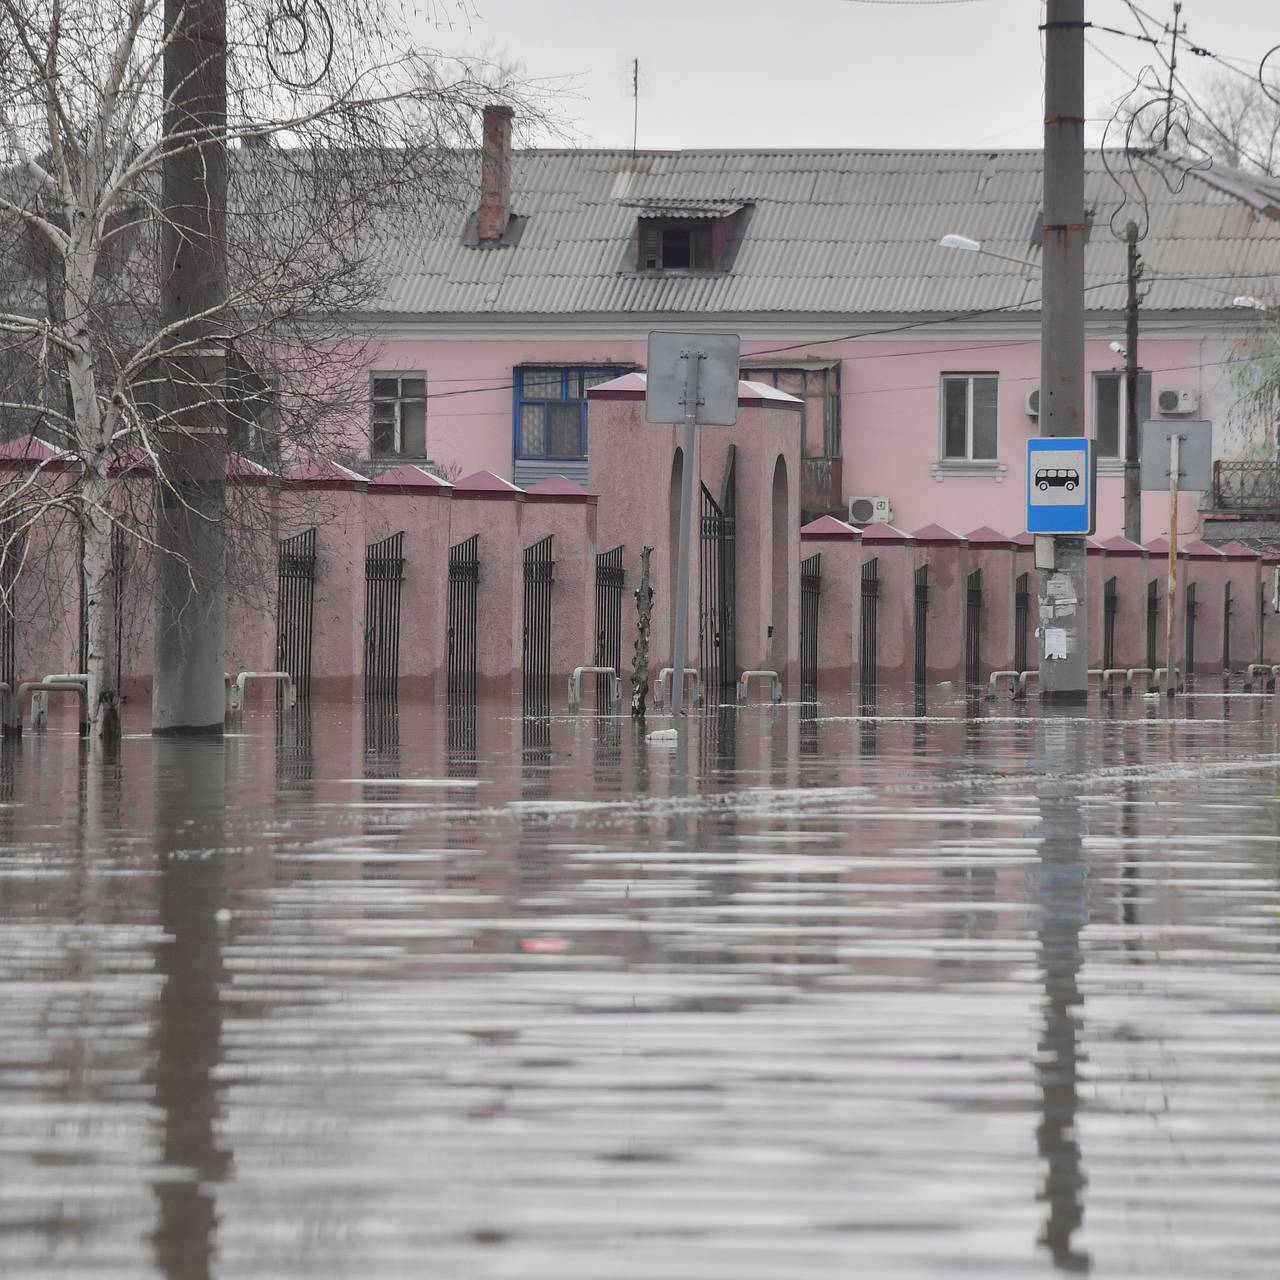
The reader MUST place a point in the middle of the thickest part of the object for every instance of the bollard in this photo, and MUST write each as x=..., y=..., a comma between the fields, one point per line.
x=1109, y=678
x=79, y=687
x=236, y=698
x=993, y=685
x=575, y=686
x=775, y=684
x=664, y=681
x=40, y=699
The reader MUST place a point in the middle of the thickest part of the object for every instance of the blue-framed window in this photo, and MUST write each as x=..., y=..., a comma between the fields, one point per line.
x=551, y=408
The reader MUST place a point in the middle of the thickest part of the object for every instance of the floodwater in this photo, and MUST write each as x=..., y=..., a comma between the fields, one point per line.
x=979, y=994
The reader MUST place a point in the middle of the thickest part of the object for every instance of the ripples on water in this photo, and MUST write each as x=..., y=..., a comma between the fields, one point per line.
x=394, y=996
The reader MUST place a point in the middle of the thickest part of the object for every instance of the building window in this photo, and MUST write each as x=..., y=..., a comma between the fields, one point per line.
x=551, y=409
x=399, y=417
x=817, y=383
x=969, y=416
x=253, y=420
x=676, y=244
x=1110, y=411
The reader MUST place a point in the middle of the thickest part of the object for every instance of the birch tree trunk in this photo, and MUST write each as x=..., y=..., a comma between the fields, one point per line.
x=93, y=432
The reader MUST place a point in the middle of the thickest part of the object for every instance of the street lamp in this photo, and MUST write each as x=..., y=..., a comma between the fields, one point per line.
x=975, y=246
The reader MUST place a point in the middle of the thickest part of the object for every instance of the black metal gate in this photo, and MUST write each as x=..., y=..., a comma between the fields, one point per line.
x=383, y=582
x=1189, y=647
x=464, y=584
x=1227, y=605
x=295, y=607
x=810, y=591
x=922, y=627
x=1021, y=621
x=12, y=544
x=717, y=591
x=973, y=629
x=539, y=573
x=611, y=580
x=869, y=629
x=1153, y=620
x=1110, y=603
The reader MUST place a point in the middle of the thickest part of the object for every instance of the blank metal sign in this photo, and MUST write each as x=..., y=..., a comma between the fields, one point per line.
x=717, y=377
x=1195, y=455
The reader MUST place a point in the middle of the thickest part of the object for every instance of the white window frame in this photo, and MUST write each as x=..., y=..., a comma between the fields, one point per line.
x=399, y=400
x=1122, y=409
x=950, y=459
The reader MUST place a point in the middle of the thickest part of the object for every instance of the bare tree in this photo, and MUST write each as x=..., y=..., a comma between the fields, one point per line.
x=341, y=136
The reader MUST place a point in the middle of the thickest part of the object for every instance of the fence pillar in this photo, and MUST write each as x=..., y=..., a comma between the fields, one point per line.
x=487, y=506
x=1243, y=567
x=894, y=553
x=1268, y=617
x=839, y=601
x=994, y=556
x=1094, y=578
x=414, y=501
x=560, y=507
x=946, y=556
x=1205, y=569
x=1126, y=562
x=1157, y=550
x=253, y=504
x=337, y=645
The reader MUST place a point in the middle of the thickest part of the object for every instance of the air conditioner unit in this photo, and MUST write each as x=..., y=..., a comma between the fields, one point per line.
x=870, y=510
x=1033, y=402
x=1174, y=401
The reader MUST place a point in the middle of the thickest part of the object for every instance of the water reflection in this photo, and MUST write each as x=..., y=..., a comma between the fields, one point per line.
x=190, y=807
x=490, y=1002
x=1061, y=882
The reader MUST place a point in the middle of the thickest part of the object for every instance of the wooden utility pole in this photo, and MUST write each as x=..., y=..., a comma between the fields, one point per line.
x=1132, y=427
x=1062, y=594
x=189, y=694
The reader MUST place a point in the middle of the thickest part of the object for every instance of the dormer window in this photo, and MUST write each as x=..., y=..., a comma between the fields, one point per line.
x=686, y=236
x=676, y=244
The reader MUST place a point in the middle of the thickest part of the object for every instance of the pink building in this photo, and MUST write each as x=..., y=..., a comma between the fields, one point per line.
x=917, y=364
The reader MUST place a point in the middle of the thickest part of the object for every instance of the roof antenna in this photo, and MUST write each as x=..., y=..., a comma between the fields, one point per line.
x=1173, y=66
x=635, y=93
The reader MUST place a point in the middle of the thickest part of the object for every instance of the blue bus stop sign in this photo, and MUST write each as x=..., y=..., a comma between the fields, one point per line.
x=1061, y=482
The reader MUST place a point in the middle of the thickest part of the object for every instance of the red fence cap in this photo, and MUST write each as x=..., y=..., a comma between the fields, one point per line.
x=829, y=529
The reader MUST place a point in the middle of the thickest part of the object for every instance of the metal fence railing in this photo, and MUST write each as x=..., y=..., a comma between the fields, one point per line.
x=1252, y=486
x=810, y=594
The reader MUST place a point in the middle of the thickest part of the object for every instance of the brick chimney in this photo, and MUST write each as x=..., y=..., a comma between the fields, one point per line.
x=495, y=174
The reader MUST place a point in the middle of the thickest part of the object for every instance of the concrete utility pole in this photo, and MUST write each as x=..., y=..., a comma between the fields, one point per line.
x=1132, y=488
x=188, y=692
x=1062, y=592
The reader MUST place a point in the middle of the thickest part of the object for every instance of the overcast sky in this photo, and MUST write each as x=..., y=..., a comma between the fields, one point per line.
x=826, y=73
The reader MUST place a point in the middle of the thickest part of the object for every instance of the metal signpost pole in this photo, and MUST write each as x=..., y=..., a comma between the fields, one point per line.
x=692, y=360
x=1171, y=610
x=1064, y=678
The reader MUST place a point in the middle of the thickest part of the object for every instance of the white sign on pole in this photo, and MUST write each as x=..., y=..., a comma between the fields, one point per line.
x=717, y=377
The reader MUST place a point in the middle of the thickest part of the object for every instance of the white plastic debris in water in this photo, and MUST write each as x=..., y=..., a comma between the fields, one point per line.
x=222, y=915
x=662, y=737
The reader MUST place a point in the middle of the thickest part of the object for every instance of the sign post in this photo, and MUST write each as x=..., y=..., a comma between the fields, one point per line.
x=1188, y=446
x=1062, y=473
x=691, y=378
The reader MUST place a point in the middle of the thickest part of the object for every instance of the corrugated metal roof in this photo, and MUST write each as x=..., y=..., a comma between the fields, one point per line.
x=837, y=232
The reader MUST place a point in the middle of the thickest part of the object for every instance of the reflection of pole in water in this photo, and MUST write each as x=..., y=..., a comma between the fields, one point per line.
x=189, y=842
x=1061, y=894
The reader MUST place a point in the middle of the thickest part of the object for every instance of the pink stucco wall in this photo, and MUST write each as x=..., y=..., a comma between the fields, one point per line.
x=572, y=526
x=633, y=470
x=890, y=411
x=424, y=519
